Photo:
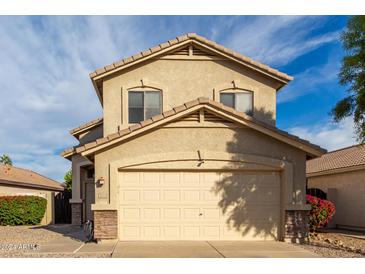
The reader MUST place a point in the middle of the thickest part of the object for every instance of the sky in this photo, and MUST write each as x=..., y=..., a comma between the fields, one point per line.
x=46, y=90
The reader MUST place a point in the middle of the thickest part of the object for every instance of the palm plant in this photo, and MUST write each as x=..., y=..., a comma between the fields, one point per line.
x=5, y=159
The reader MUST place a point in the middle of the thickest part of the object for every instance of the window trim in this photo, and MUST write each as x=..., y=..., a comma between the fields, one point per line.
x=238, y=91
x=144, y=91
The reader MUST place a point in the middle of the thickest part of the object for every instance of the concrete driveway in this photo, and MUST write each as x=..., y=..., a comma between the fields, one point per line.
x=211, y=249
x=69, y=241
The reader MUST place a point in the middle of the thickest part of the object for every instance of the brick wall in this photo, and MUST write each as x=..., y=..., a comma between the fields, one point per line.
x=105, y=224
x=296, y=226
x=76, y=214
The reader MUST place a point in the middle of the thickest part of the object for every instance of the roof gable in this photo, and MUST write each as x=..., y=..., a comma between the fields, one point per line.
x=186, y=110
x=187, y=45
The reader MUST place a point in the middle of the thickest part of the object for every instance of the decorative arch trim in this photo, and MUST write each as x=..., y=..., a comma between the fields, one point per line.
x=211, y=159
x=142, y=84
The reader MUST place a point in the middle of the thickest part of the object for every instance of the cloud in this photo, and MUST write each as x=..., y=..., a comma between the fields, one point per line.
x=45, y=62
x=313, y=79
x=328, y=135
x=274, y=40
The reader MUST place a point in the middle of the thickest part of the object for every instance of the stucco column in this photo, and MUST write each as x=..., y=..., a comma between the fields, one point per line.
x=76, y=202
x=76, y=184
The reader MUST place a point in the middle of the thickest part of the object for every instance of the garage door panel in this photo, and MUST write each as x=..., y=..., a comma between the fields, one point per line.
x=171, y=232
x=151, y=213
x=172, y=213
x=128, y=214
x=211, y=231
x=151, y=231
x=187, y=206
x=130, y=232
x=191, y=232
x=151, y=178
x=211, y=213
x=130, y=178
x=151, y=195
x=191, y=195
x=191, y=214
x=191, y=178
x=130, y=195
x=170, y=178
x=252, y=212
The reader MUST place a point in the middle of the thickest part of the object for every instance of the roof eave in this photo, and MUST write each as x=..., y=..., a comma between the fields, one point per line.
x=335, y=171
x=76, y=133
x=30, y=185
x=99, y=74
x=105, y=142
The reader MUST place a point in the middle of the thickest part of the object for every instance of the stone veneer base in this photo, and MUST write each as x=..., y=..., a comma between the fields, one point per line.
x=296, y=226
x=76, y=213
x=105, y=224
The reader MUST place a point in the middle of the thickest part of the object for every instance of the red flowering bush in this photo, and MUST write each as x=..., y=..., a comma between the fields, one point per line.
x=321, y=212
x=22, y=210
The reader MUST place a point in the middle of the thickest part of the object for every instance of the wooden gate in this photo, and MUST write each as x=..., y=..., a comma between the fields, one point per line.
x=63, y=207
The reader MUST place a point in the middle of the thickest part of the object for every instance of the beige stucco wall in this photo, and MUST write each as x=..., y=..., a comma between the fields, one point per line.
x=170, y=140
x=13, y=191
x=182, y=81
x=349, y=197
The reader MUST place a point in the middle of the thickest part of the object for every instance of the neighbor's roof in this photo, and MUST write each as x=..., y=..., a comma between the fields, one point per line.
x=15, y=176
x=338, y=160
x=186, y=109
x=176, y=43
x=86, y=126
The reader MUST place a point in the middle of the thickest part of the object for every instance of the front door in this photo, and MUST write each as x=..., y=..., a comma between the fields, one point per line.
x=89, y=199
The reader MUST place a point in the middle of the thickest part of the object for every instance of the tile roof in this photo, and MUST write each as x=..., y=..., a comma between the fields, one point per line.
x=11, y=175
x=338, y=159
x=92, y=123
x=192, y=37
x=200, y=101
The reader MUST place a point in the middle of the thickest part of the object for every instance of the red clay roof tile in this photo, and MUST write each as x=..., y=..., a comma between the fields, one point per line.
x=203, y=101
x=23, y=177
x=194, y=36
x=334, y=160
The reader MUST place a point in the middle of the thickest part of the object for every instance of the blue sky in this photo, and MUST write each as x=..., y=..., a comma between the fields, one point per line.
x=46, y=90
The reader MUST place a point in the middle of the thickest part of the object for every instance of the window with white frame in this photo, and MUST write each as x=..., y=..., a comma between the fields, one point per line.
x=239, y=100
x=143, y=105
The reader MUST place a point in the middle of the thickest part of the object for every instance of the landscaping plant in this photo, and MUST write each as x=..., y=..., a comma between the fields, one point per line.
x=22, y=210
x=321, y=212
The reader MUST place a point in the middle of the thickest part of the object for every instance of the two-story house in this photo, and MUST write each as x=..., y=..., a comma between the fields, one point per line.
x=187, y=149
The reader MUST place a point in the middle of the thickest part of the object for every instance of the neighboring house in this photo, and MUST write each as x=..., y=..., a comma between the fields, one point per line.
x=16, y=181
x=341, y=175
x=187, y=149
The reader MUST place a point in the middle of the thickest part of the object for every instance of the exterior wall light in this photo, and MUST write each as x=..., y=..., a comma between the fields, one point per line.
x=101, y=181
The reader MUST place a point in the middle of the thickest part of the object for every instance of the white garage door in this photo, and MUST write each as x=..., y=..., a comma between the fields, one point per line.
x=198, y=205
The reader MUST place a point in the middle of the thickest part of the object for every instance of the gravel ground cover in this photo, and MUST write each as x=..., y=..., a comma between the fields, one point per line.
x=336, y=245
x=14, y=239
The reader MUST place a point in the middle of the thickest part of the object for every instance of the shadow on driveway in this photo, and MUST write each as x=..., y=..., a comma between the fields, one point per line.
x=73, y=232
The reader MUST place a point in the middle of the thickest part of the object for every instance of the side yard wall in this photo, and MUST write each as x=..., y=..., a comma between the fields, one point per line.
x=347, y=191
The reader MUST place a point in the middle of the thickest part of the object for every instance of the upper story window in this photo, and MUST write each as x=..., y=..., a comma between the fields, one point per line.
x=143, y=105
x=239, y=100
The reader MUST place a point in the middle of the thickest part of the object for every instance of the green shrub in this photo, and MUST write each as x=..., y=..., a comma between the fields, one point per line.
x=22, y=210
